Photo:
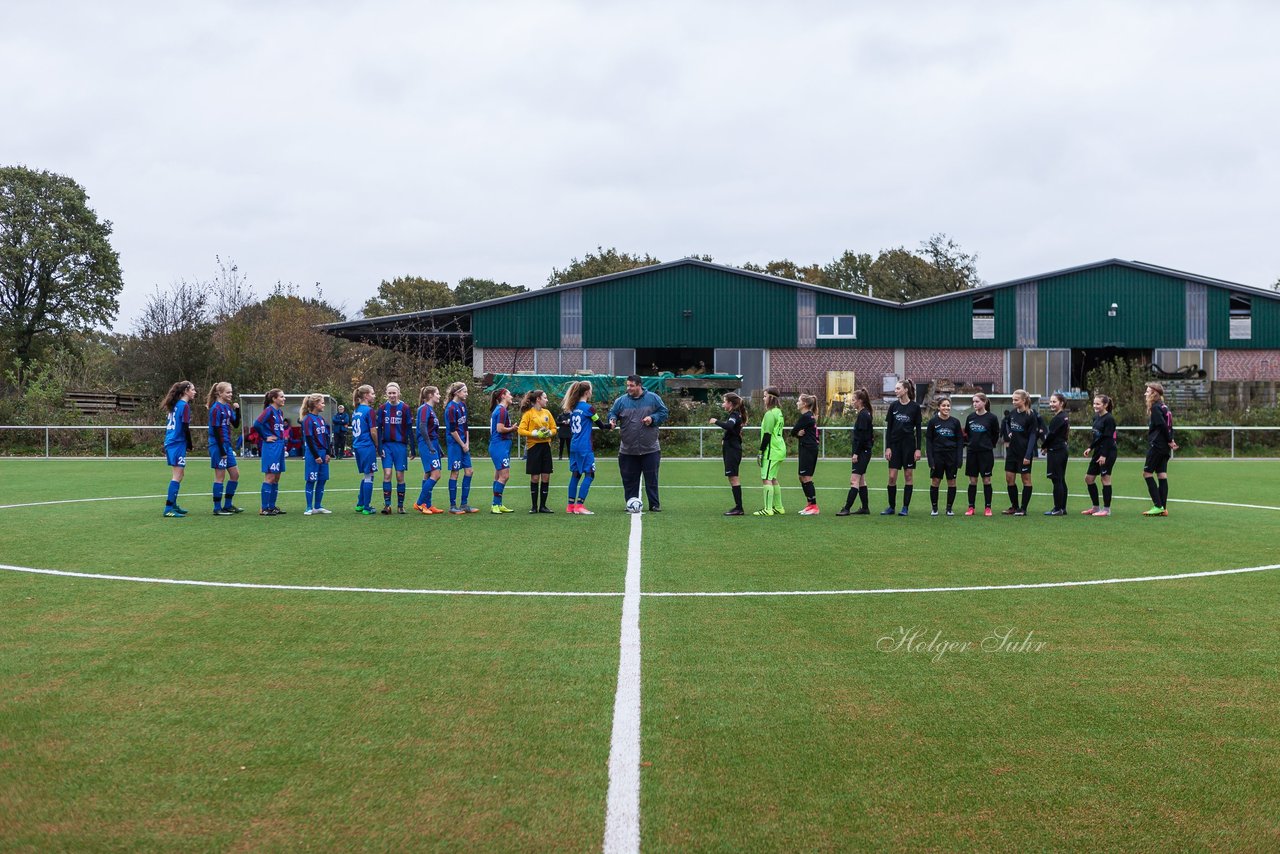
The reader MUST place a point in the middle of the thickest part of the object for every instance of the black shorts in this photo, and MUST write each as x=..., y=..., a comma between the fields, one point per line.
x=1055, y=464
x=1104, y=470
x=980, y=463
x=904, y=455
x=808, y=461
x=1013, y=462
x=864, y=460
x=1157, y=461
x=732, y=461
x=537, y=459
x=945, y=470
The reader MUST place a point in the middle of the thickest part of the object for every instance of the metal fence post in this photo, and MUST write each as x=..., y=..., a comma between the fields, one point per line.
x=1233, y=443
x=46, y=443
x=700, y=431
x=106, y=431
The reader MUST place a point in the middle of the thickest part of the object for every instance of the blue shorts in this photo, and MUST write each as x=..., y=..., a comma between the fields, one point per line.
x=430, y=456
x=582, y=462
x=500, y=453
x=217, y=462
x=176, y=455
x=273, y=457
x=316, y=471
x=366, y=459
x=458, y=458
x=395, y=455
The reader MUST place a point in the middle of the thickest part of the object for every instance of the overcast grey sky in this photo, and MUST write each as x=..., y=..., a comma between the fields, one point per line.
x=345, y=143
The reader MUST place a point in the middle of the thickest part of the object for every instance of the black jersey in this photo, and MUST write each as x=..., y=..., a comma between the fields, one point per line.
x=944, y=437
x=864, y=437
x=1021, y=432
x=1102, y=440
x=1160, y=427
x=981, y=432
x=1056, y=433
x=731, y=424
x=902, y=424
x=806, y=430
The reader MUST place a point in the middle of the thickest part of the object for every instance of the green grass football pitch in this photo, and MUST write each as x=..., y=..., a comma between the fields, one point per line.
x=150, y=716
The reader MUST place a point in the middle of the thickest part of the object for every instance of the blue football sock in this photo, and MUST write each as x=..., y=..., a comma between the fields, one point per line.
x=230, y=493
x=453, y=492
x=217, y=495
x=264, y=495
x=172, y=499
x=497, y=493
x=582, y=490
x=400, y=489
x=573, y=487
x=386, y=493
x=430, y=487
x=466, y=487
x=310, y=489
x=422, y=493
x=320, y=493
x=275, y=493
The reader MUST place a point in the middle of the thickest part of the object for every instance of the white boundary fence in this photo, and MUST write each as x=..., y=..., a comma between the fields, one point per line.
x=835, y=438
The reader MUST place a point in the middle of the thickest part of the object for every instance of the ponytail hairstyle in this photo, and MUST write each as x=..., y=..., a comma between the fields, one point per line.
x=527, y=402
x=361, y=393
x=864, y=397
x=310, y=403
x=453, y=389
x=215, y=391
x=493, y=399
x=424, y=394
x=1159, y=390
x=271, y=395
x=576, y=393
x=175, y=393
x=771, y=397
x=1107, y=403
x=1062, y=400
x=906, y=383
x=808, y=401
x=738, y=405
x=1021, y=394
x=986, y=404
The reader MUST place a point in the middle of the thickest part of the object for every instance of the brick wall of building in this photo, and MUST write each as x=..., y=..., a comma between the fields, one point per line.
x=795, y=371
x=1248, y=365
x=498, y=360
x=960, y=366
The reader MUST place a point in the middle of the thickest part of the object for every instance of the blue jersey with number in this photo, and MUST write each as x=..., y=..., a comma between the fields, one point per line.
x=455, y=421
x=174, y=435
x=503, y=417
x=271, y=423
x=220, y=418
x=362, y=427
x=580, y=425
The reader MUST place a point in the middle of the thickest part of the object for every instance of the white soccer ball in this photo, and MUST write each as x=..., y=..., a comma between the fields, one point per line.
x=633, y=505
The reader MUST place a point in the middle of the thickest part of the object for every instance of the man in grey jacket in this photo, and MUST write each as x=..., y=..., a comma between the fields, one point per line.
x=637, y=415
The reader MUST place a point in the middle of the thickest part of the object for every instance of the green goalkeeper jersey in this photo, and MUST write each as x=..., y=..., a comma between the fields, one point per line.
x=772, y=425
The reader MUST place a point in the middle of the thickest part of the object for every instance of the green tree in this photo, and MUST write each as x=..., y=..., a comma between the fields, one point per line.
x=408, y=293
x=850, y=272
x=471, y=290
x=600, y=263
x=173, y=339
x=787, y=269
x=901, y=275
x=956, y=270
x=58, y=272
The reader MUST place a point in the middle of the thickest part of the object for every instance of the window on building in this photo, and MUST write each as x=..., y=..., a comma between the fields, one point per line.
x=1175, y=360
x=1241, y=317
x=1040, y=372
x=837, y=326
x=984, y=317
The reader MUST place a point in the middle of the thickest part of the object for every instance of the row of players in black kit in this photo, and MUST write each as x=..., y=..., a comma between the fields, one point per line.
x=945, y=442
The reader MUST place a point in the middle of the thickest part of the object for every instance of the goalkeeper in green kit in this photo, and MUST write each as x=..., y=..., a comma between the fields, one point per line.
x=773, y=449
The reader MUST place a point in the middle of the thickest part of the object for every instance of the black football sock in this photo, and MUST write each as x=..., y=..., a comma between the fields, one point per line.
x=1106, y=495
x=542, y=494
x=737, y=497
x=533, y=494
x=986, y=493
x=906, y=495
x=1026, y=498
x=849, y=499
x=810, y=492
x=1093, y=493
x=933, y=497
x=1164, y=492
x=1153, y=489
x=951, y=497
x=893, y=497
x=863, y=496
x=1013, y=497
x=973, y=494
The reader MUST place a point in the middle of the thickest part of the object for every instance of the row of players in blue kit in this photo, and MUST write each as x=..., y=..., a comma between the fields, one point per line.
x=947, y=442
x=384, y=434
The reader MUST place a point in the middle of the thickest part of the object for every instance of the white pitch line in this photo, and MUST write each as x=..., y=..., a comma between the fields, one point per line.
x=307, y=588
x=622, y=808
x=975, y=588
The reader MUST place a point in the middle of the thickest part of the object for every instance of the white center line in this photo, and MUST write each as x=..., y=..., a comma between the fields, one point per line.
x=622, y=811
